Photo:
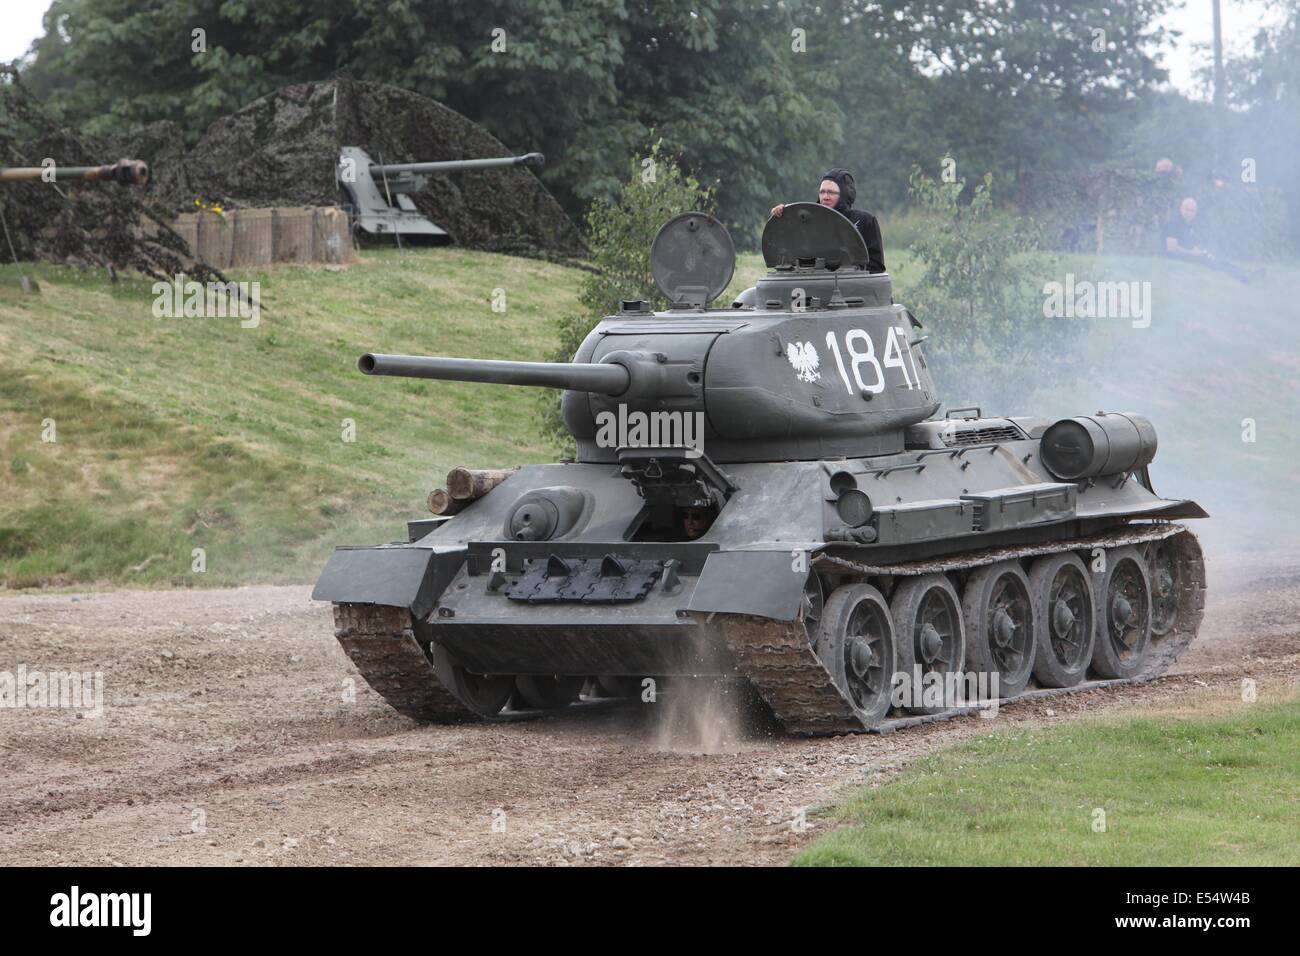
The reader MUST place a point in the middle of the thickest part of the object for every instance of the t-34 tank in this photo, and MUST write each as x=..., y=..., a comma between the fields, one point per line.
x=763, y=492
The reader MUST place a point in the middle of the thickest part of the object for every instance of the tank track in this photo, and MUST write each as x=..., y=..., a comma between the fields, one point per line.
x=381, y=642
x=778, y=658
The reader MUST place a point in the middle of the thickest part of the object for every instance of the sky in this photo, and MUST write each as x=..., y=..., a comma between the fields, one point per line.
x=20, y=24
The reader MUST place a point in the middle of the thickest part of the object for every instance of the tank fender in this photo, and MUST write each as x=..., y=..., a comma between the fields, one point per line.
x=407, y=577
x=762, y=583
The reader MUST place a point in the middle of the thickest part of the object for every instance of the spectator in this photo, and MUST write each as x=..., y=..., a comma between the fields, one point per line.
x=1166, y=169
x=1183, y=242
x=1165, y=191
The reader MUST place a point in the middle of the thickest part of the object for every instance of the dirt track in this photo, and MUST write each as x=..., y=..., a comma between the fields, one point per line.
x=226, y=738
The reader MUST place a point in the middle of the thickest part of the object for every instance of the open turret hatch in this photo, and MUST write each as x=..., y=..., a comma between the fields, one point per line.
x=810, y=235
x=692, y=260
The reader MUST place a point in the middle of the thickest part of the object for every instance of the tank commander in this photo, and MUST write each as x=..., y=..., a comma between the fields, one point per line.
x=838, y=191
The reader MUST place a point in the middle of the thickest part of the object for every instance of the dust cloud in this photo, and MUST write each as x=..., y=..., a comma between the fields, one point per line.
x=701, y=716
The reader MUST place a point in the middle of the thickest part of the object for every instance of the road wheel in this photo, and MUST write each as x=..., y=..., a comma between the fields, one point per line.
x=548, y=692
x=998, y=611
x=1164, y=587
x=854, y=638
x=484, y=694
x=1123, y=593
x=1066, y=625
x=931, y=641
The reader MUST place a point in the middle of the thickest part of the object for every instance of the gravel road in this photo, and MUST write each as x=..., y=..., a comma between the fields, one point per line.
x=235, y=731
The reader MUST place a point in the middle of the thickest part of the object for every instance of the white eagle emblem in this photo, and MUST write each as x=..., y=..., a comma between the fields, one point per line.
x=805, y=360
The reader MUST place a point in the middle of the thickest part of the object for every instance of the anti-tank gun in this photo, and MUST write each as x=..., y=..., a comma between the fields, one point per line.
x=379, y=194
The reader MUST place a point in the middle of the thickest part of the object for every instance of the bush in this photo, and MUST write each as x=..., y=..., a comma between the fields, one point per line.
x=980, y=295
x=619, y=236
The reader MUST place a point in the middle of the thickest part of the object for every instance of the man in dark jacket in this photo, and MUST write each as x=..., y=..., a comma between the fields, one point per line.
x=1183, y=242
x=838, y=190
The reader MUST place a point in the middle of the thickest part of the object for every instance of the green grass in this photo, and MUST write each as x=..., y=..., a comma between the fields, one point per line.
x=175, y=434
x=1223, y=790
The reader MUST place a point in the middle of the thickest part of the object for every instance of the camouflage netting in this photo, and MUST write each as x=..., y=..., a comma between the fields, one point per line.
x=282, y=150
x=79, y=223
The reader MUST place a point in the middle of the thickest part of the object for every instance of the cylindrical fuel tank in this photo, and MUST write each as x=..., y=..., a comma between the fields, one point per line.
x=1089, y=446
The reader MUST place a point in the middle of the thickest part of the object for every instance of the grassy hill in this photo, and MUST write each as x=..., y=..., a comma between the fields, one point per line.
x=180, y=433
x=176, y=434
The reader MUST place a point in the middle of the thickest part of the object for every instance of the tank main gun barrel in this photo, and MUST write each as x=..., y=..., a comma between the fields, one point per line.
x=603, y=378
x=128, y=172
x=535, y=160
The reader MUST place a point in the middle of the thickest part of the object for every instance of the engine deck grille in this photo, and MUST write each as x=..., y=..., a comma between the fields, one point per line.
x=980, y=435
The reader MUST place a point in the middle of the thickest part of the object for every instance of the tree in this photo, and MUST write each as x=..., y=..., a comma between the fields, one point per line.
x=1264, y=144
x=655, y=189
x=759, y=96
x=1000, y=85
x=979, y=295
x=585, y=81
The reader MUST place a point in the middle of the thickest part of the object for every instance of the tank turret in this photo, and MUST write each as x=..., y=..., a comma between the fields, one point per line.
x=822, y=364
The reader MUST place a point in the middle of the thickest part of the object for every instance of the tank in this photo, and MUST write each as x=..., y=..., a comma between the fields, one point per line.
x=769, y=495
x=378, y=195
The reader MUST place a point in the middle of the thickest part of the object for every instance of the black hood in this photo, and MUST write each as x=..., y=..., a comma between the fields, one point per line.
x=848, y=186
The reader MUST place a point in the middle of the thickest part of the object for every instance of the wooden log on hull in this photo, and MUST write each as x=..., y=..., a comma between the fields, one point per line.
x=441, y=503
x=466, y=484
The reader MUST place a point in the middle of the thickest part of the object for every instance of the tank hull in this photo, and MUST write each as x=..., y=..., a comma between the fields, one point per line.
x=734, y=603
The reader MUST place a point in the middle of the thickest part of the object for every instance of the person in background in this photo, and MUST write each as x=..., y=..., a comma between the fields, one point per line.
x=838, y=190
x=1166, y=169
x=1165, y=190
x=1183, y=242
